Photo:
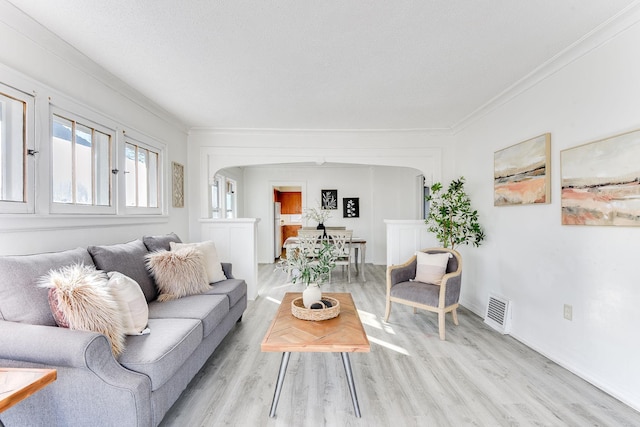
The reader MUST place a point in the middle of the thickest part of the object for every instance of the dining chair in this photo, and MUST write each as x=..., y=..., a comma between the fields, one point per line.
x=308, y=241
x=341, y=240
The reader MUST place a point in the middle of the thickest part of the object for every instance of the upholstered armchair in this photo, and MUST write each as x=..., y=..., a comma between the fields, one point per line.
x=403, y=288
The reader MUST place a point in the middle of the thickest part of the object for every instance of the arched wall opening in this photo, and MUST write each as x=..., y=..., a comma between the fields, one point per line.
x=364, y=165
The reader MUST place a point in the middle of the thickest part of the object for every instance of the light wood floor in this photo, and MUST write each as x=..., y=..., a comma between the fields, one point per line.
x=476, y=377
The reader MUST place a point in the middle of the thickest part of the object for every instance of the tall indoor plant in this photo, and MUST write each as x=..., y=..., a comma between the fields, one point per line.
x=451, y=217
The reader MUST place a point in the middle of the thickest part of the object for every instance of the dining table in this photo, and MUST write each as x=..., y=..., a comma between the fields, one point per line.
x=358, y=244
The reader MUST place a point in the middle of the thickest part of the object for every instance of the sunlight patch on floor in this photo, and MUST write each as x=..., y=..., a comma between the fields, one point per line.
x=273, y=300
x=388, y=345
x=372, y=320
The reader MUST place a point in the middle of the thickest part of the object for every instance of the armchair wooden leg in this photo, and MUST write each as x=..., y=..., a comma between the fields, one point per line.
x=441, y=326
x=454, y=313
x=415, y=310
x=387, y=311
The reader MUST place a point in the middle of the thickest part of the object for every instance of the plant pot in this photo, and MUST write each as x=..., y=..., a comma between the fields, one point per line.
x=311, y=295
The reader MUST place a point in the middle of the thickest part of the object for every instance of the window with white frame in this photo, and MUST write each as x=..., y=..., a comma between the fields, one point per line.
x=142, y=175
x=16, y=189
x=223, y=197
x=81, y=163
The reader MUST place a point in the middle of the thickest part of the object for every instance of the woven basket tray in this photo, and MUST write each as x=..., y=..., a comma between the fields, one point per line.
x=299, y=311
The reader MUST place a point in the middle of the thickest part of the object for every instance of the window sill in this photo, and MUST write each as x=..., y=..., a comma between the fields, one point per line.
x=11, y=223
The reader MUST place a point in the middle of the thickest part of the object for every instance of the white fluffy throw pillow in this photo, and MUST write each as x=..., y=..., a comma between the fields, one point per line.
x=178, y=273
x=133, y=305
x=211, y=261
x=82, y=297
x=431, y=267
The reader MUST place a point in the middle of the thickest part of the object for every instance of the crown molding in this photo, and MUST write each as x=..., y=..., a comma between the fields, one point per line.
x=270, y=131
x=603, y=33
x=21, y=23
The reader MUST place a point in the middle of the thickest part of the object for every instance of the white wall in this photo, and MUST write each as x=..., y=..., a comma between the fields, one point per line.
x=384, y=192
x=35, y=61
x=537, y=263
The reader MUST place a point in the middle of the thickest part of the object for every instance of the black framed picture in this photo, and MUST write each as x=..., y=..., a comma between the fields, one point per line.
x=351, y=207
x=329, y=199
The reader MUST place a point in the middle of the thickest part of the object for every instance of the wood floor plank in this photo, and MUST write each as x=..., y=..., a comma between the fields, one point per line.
x=477, y=377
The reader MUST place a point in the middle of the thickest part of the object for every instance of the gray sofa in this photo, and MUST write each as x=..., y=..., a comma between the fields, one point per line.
x=93, y=388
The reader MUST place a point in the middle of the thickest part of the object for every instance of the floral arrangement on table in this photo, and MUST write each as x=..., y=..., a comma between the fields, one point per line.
x=308, y=266
x=311, y=268
x=317, y=214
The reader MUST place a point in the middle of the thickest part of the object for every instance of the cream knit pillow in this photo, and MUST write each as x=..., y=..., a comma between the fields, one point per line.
x=431, y=267
x=133, y=305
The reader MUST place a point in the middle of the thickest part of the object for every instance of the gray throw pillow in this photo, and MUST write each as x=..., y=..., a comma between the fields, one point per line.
x=21, y=300
x=128, y=259
x=160, y=243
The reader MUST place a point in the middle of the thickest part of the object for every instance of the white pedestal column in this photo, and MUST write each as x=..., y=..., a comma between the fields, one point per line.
x=236, y=241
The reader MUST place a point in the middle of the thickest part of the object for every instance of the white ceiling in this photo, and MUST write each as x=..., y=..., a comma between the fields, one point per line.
x=332, y=64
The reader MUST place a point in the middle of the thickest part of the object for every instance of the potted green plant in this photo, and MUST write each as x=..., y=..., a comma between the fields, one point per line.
x=311, y=268
x=451, y=217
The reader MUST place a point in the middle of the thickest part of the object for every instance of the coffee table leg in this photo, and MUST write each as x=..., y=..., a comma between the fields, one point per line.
x=352, y=387
x=283, y=370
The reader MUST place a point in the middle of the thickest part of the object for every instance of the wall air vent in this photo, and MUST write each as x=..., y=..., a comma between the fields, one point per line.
x=498, y=314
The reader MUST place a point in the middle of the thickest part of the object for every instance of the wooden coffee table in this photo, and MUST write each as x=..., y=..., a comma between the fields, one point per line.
x=17, y=384
x=344, y=334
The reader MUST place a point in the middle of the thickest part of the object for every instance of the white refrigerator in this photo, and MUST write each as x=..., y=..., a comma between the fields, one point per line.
x=277, y=231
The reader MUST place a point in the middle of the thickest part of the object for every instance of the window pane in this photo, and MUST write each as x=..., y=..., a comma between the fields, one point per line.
x=61, y=163
x=215, y=199
x=83, y=165
x=142, y=177
x=231, y=199
x=130, y=173
x=153, y=179
x=102, y=144
x=12, y=146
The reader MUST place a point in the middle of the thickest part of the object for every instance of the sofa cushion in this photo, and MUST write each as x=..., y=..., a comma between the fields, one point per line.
x=160, y=243
x=128, y=259
x=21, y=300
x=234, y=289
x=178, y=273
x=161, y=353
x=210, y=309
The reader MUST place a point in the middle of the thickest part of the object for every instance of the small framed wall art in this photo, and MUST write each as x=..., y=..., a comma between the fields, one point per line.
x=329, y=199
x=177, y=180
x=350, y=207
x=522, y=173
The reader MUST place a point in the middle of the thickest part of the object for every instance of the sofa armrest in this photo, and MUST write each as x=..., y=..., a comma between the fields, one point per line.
x=88, y=377
x=226, y=268
x=62, y=347
x=49, y=345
